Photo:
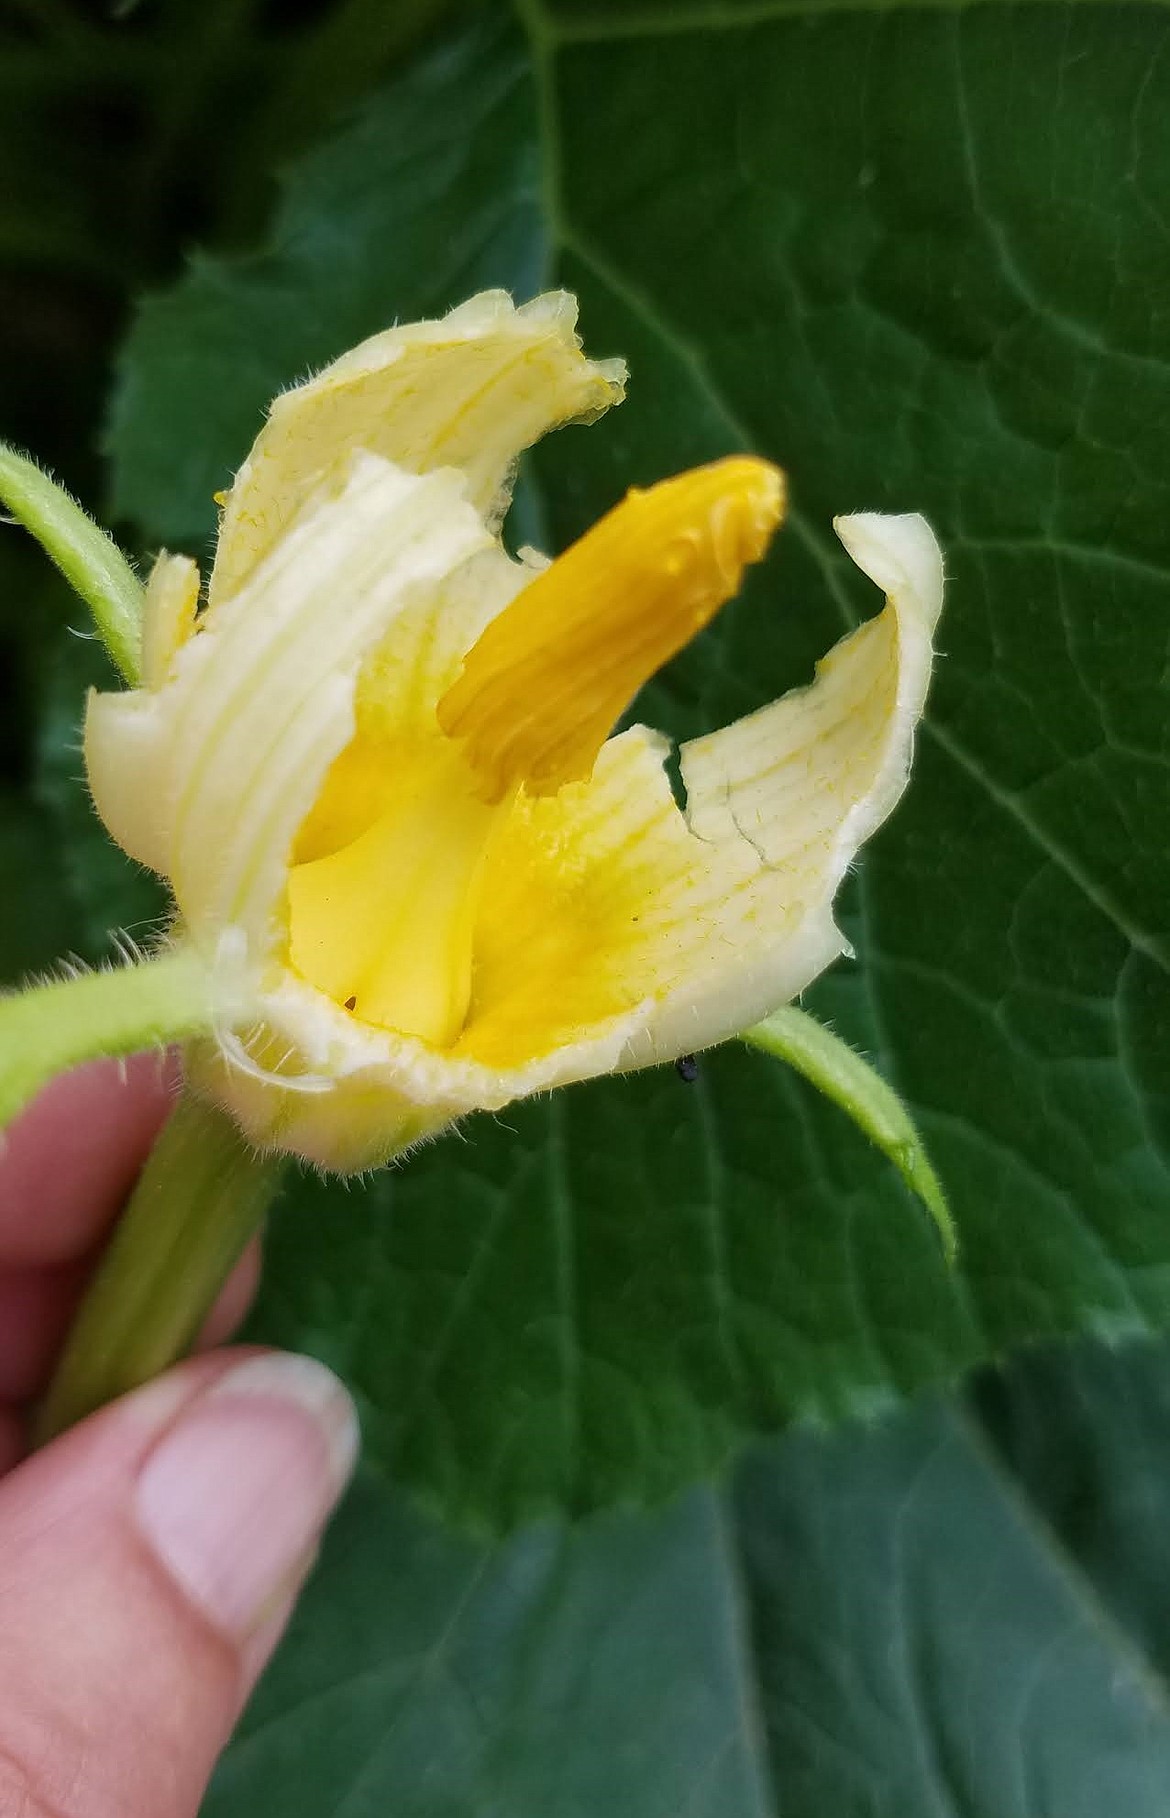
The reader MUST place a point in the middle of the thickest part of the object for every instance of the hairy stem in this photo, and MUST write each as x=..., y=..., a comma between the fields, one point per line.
x=841, y=1074
x=201, y=1196
x=90, y=560
x=122, y=1010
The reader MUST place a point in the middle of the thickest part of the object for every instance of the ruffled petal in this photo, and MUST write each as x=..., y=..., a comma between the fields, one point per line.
x=811, y=776
x=470, y=391
x=801, y=785
x=605, y=901
x=127, y=760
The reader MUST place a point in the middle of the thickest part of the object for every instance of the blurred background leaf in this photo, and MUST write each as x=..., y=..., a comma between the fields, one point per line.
x=918, y=256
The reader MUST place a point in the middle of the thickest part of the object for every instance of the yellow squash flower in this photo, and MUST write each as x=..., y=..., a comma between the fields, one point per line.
x=377, y=768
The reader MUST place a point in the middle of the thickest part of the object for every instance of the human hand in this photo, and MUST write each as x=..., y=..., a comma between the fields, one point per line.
x=150, y=1558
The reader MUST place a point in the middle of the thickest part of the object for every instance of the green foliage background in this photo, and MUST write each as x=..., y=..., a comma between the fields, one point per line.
x=921, y=256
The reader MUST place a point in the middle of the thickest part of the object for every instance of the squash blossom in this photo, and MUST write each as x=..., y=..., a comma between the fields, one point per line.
x=379, y=771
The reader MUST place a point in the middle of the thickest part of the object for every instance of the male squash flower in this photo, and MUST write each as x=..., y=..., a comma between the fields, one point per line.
x=377, y=768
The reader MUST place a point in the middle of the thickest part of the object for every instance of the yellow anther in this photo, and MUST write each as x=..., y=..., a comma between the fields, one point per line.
x=540, y=691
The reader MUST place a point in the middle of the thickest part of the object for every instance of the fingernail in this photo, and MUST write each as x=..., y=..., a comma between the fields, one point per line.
x=233, y=1498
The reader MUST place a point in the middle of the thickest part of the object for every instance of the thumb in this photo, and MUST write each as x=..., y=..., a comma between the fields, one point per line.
x=148, y=1562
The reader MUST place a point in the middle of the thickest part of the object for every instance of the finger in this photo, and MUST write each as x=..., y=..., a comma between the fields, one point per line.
x=148, y=1558
x=235, y=1298
x=11, y=1438
x=69, y=1160
x=37, y=1307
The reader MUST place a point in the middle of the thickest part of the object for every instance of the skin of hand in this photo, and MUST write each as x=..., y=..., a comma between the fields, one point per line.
x=150, y=1558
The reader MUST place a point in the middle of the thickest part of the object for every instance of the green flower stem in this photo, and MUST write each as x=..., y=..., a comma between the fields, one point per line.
x=53, y=1026
x=91, y=561
x=840, y=1073
x=200, y=1197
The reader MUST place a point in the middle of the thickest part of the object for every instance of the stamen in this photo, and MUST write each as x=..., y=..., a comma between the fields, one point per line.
x=542, y=688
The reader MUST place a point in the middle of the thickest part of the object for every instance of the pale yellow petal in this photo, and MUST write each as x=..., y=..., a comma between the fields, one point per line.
x=809, y=777
x=803, y=783
x=127, y=767
x=470, y=391
x=401, y=679
x=422, y=652
x=127, y=735
x=168, y=614
x=262, y=698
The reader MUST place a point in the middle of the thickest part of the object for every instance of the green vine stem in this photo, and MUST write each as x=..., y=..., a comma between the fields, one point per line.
x=118, y=1010
x=90, y=560
x=841, y=1074
x=201, y=1196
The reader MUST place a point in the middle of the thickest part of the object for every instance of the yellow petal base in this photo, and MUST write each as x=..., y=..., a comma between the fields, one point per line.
x=384, y=924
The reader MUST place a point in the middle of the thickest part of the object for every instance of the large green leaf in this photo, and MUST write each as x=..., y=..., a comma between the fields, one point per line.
x=1088, y=1434
x=852, y=242
x=861, y=1626
x=918, y=256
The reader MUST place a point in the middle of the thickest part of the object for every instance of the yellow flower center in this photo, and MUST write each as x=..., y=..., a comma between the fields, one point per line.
x=384, y=890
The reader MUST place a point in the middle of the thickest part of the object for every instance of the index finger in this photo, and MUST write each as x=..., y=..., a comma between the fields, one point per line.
x=69, y=1160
